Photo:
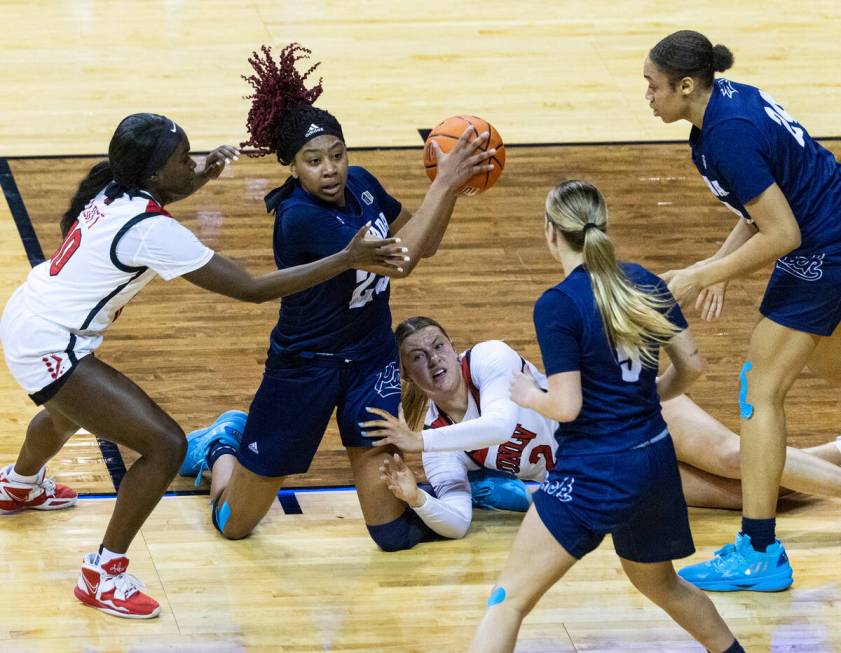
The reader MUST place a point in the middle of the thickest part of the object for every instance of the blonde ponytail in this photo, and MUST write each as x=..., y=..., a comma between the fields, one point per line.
x=631, y=315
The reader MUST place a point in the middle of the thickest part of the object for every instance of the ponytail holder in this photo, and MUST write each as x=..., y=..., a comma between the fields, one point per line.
x=590, y=225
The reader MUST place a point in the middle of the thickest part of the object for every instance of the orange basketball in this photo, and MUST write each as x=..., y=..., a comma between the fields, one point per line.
x=447, y=133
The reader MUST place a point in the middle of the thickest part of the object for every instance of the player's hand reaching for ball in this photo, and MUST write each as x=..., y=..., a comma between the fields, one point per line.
x=401, y=480
x=365, y=251
x=465, y=159
x=216, y=161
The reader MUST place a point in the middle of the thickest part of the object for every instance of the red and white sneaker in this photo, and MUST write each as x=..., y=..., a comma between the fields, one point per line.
x=44, y=494
x=110, y=589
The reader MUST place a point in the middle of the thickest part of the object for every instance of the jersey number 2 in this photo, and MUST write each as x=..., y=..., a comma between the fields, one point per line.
x=778, y=115
x=66, y=250
x=363, y=293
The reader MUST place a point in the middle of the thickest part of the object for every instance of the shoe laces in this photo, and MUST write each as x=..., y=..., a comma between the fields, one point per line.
x=126, y=585
x=48, y=485
x=727, y=559
x=202, y=467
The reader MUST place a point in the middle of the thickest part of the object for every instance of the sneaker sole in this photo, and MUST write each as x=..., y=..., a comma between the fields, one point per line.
x=773, y=584
x=93, y=603
x=12, y=511
x=46, y=506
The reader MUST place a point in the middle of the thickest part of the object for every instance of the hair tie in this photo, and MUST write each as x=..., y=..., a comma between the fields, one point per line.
x=590, y=225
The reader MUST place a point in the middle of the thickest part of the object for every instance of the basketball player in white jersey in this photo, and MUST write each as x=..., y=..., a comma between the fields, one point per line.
x=471, y=424
x=118, y=237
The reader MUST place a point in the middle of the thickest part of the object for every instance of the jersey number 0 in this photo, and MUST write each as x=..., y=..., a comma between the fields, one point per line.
x=66, y=249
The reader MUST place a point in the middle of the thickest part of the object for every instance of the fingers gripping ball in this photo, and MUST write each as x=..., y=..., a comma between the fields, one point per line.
x=447, y=133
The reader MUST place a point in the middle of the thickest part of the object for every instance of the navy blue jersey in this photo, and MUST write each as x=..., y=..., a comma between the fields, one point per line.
x=748, y=142
x=620, y=408
x=347, y=316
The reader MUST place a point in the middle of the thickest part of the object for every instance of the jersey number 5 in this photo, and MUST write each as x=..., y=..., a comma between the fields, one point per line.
x=631, y=366
x=363, y=293
x=66, y=250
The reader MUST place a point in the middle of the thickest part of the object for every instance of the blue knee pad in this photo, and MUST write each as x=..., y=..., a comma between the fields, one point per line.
x=402, y=533
x=745, y=409
x=220, y=515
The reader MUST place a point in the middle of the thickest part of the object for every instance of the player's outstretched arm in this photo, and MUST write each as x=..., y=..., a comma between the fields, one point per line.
x=226, y=277
x=423, y=231
x=778, y=235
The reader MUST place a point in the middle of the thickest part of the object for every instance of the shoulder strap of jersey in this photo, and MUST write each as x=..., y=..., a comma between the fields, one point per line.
x=468, y=379
x=122, y=232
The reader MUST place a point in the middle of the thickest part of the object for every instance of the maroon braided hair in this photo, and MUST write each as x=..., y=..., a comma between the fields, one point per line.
x=278, y=86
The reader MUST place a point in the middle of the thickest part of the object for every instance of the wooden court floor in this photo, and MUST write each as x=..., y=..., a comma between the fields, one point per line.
x=310, y=578
x=314, y=581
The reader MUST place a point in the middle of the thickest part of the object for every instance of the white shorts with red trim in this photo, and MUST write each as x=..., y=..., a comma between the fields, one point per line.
x=39, y=352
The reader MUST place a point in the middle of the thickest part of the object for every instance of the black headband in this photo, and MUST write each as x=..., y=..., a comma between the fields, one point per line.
x=170, y=136
x=321, y=123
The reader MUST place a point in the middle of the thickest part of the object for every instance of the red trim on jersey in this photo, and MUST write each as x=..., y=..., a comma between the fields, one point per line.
x=153, y=207
x=478, y=456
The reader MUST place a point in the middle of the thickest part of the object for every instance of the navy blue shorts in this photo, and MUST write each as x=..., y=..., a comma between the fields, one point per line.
x=634, y=495
x=293, y=404
x=804, y=293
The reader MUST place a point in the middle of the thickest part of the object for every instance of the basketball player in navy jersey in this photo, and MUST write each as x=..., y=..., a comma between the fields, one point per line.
x=599, y=332
x=786, y=189
x=118, y=237
x=332, y=347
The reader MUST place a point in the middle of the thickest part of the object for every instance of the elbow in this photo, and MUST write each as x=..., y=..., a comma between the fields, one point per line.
x=251, y=295
x=568, y=413
x=697, y=368
x=790, y=240
x=794, y=241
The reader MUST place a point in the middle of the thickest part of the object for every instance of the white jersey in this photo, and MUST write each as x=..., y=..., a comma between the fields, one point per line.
x=494, y=433
x=111, y=252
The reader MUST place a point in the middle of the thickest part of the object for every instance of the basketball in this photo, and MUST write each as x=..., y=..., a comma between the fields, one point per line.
x=447, y=133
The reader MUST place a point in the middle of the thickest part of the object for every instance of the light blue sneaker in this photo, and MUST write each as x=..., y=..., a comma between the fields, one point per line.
x=495, y=490
x=738, y=566
x=228, y=428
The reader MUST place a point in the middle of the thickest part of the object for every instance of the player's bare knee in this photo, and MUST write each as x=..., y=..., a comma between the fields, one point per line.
x=169, y=449
x=230, y=525
x=236, y=532
x=730, y=459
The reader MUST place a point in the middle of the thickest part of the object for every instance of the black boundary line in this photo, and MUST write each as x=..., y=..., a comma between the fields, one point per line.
x=376, y=148
x=20, y=215
x=111, y=454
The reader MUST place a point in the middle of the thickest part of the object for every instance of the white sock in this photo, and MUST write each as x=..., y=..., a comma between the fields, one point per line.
x=106, y=556
x=20, y=478
x=838, y=442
